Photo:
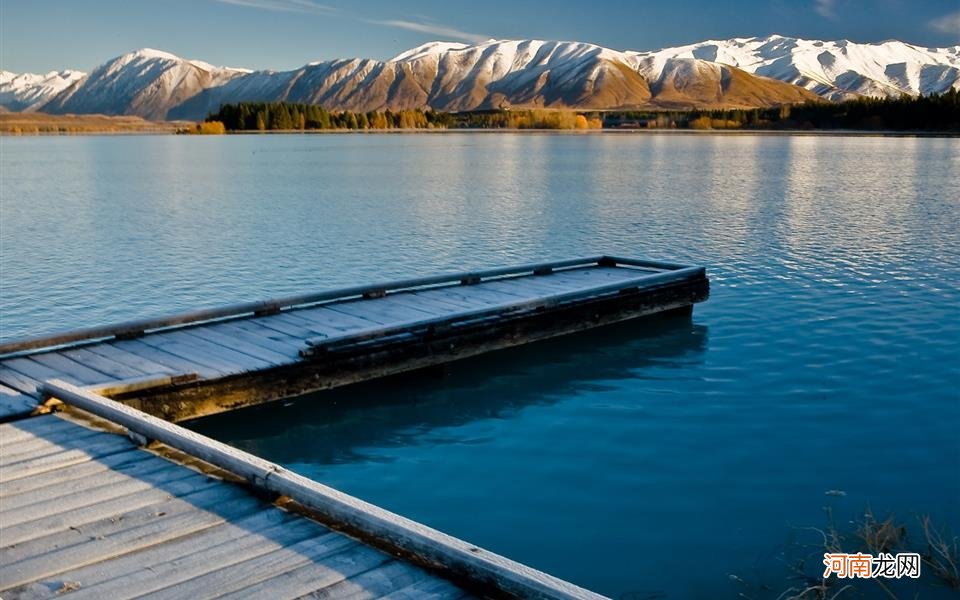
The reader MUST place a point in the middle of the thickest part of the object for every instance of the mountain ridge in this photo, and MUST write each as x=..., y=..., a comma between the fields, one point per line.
x=452, y=76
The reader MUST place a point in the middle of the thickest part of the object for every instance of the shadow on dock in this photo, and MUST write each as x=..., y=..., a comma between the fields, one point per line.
x=335, y=426
x=87, y=514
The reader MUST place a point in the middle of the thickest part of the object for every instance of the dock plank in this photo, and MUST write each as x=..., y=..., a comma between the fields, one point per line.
x=160, y=529
x=192, y=351
x=331, y=319
x=264, y=337
x=18, y=381
x=175, y=363
x=130, y=359
x=15, y=403
x=133, y=574
x=375, y=583
x=108, y=366
x=380, y=311
x=239, y=344
x=241, y=576
x=63, y=458
x=59, y=363
x=67, y=474
x=336, y=567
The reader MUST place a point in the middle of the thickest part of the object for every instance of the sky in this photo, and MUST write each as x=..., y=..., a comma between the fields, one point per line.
x=45, y=35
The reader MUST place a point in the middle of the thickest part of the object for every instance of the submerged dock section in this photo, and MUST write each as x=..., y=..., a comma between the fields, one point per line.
x=214, y=360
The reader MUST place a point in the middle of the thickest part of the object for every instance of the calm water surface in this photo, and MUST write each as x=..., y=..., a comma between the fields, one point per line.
x=651, y=460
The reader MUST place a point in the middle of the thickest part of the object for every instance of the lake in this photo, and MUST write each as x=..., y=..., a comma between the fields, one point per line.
x=671, y=457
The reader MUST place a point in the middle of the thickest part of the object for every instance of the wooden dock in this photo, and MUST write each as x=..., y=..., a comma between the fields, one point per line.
x=215, y=360
x=85, y=512
x=112, y=499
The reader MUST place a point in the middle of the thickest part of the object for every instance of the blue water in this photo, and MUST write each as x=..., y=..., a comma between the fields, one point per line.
x=645, y=461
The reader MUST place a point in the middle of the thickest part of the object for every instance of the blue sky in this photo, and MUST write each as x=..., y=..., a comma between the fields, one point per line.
x=41, y=35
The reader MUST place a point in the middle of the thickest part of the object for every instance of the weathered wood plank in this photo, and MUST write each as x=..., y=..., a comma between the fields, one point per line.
x=127, y=539
x=40, y=444
x=113, y=368
x=263, y=337
x=176, y=363
x=52, y=526
x=233, y=342
x=37, y=371
x=466, y=297
x=15, y=403
x=288, y=324
x=62, y=364
x=434, y=305
x=130, y=359
x=57, y=460
x=107, y=484
x=374, y=583
x=18, y=381
x=298, y=317
x=379, y=311
x=213, y=355
x=328, y=319
x=457, y=302
x=133, y=574
x=242, y=575
x=78, y=471
x=26, y=429
x=314, y=575
x=428, y=589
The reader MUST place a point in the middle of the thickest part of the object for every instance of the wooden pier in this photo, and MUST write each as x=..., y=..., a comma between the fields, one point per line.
x=87, y=513
x=108, y=499
x=215, y=360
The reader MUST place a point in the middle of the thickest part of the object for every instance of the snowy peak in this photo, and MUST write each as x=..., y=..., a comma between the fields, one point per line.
x=835, y=70
x=29, y=92
x=427, y=50
x=145, y=82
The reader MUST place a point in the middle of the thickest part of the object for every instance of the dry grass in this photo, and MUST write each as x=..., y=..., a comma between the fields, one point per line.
x=44, y=124
x=939, y=551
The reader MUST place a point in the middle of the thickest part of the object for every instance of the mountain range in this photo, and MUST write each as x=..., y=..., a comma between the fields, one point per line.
x=735, y=73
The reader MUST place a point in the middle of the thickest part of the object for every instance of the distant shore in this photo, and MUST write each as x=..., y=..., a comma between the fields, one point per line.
x=28, y=124
x=43, y=124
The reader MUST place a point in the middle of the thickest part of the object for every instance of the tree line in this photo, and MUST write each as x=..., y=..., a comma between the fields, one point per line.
x=935, y=112
x=286, y=116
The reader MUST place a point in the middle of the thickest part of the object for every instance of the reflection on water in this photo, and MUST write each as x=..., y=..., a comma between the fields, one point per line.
x=609, y=458
x=338, y=426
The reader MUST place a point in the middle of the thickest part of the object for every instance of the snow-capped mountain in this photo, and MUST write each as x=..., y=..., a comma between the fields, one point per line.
x=28, y=91
x=742, y=72
x=834, y=70
x=146, y=83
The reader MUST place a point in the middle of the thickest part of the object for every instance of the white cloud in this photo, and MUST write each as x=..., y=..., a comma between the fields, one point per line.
x=824, y=8
x=434, y=29
x=301, y=6
x=947, y=24
x=309, y=6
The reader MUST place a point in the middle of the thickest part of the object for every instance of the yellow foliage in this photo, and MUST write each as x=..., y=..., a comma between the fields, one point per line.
x=209, y=128
x=701, y=123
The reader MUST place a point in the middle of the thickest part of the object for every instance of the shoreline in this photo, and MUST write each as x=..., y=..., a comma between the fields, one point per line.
x=164, y=129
